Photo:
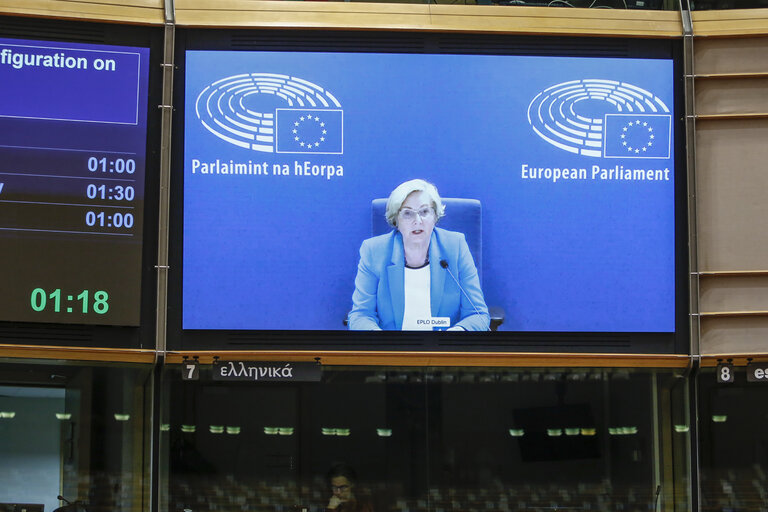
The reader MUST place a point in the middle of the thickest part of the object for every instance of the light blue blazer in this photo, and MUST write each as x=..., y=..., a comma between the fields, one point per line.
x=378, y=300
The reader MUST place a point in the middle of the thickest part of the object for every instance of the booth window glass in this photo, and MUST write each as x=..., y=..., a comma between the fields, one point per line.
x=80, y=431
x=733, y=444
x=439, y=439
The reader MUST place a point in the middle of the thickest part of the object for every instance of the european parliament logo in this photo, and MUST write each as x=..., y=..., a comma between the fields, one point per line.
x=272, y=113
x=603, y=119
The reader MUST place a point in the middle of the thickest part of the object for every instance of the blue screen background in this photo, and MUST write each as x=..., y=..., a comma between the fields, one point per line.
x=281, y=251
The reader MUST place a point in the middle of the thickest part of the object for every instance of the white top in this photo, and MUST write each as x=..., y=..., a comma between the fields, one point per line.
x=418, y=304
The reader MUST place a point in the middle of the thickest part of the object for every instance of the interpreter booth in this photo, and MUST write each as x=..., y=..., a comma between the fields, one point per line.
x=288, y=145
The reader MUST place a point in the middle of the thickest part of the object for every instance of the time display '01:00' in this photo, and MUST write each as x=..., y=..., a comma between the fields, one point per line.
x=84, y=302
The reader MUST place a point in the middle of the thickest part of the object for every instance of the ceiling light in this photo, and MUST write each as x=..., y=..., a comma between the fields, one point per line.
x=622, y=431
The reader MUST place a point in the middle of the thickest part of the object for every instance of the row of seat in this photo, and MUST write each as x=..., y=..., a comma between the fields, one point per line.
x=745, y=490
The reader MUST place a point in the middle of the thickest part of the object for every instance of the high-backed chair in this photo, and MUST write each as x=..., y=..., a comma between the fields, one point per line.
x=462, y=215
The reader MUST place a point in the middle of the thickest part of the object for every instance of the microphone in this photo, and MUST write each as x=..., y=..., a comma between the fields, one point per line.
x=444, y=264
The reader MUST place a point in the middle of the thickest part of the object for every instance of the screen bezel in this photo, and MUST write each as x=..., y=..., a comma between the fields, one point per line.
x=107, y=336
x=428, y=43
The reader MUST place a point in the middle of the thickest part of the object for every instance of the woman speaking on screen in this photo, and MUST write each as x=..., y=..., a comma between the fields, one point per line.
x=418, y=276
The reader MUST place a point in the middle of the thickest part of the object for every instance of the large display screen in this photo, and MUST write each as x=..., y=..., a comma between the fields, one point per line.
x=568, y=161
x=73, y=129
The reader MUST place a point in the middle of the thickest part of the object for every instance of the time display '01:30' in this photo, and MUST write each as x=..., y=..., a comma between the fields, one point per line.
x=85, y=302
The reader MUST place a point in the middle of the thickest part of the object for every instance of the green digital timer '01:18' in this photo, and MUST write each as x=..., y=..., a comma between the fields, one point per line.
x=83, y=302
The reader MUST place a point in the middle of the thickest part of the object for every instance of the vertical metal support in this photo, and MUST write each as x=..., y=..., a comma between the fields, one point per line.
x=693, y=247
x=692, y=407
x=690, y=149
x=166, y=108
x=161, y=315
x=656, y=444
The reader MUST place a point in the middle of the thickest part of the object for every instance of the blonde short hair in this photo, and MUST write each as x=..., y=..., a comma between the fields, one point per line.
x=401, y=193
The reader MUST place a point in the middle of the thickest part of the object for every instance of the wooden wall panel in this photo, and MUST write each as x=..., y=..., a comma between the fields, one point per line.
x=732, y=96
x=732, y=182
x=451, y=359
x=145, y=12
x=737, y=55
x=738, y=335
x=732, y=194
x=77, y=353
x=404, y=16
x=730, y=23
x=722, y=293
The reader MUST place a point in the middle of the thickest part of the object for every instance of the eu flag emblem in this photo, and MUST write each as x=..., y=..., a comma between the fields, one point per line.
x=306, y=130
x=637, y=135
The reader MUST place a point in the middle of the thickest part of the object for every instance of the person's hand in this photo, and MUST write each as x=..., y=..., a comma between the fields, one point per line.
x=334, y=502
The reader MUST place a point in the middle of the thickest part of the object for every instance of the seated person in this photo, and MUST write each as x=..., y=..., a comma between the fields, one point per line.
x=417, y=271
x=342, y=479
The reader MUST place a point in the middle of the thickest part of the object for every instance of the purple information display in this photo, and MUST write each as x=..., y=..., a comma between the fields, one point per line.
x=69, y=83
x=72, y=159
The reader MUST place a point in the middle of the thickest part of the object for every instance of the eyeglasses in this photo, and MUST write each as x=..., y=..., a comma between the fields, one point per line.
x=339, y=488
x=409, y=215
